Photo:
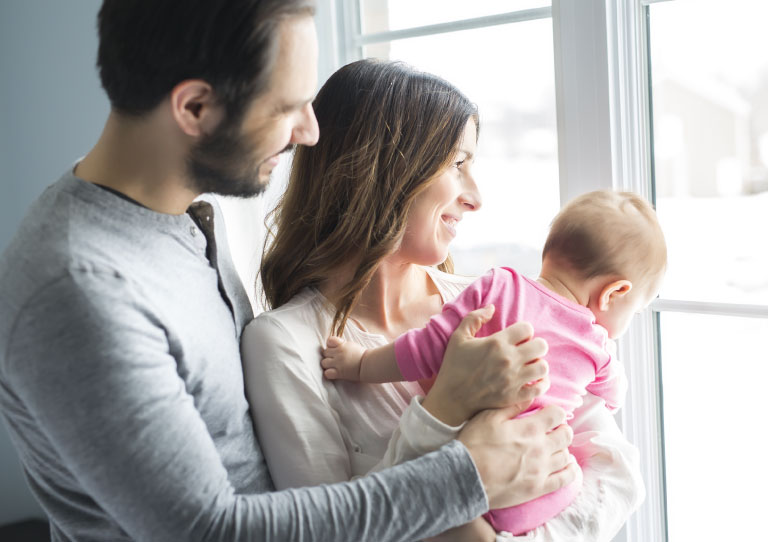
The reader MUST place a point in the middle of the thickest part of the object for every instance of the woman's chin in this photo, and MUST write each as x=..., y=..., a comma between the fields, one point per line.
x=437, y=260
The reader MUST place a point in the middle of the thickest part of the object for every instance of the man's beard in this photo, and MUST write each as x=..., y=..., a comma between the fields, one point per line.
x=223, y=163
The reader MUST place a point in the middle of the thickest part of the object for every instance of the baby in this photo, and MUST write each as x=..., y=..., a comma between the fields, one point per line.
x=603, y=261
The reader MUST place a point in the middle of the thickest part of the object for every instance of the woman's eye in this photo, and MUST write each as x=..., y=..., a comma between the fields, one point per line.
x=458, y=164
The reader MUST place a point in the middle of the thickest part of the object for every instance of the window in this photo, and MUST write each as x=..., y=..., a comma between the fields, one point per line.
x=710, y=168
x=681, y=119
x=517, y=166
x=689, y=120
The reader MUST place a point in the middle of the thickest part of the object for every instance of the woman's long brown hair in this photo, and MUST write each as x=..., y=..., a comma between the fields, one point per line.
x=386, y=131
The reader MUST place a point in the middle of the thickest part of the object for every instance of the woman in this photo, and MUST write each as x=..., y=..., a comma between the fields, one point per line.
x=367, y=214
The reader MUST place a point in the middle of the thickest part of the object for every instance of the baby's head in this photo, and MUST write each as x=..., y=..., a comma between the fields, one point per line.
x=609, y=246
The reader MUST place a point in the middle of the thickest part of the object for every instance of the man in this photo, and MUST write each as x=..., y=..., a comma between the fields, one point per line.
x=120, y=375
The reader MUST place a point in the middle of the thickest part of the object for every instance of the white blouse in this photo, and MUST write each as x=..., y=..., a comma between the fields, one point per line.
x=315, y=431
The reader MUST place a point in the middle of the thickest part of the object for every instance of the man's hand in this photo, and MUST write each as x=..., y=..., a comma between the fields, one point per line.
x=503, y=369
x=520, y=459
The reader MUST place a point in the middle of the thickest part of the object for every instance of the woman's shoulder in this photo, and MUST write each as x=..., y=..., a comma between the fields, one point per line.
x=450, y=285
x=301, y=320
x=308, y=301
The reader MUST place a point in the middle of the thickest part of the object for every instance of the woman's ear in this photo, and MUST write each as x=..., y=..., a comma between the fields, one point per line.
x=612, y=292
x=194, y=107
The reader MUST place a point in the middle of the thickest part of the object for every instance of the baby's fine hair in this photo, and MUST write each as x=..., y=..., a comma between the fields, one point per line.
x=607, y=233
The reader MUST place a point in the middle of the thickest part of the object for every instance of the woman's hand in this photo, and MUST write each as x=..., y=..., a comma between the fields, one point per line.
x=498, y=371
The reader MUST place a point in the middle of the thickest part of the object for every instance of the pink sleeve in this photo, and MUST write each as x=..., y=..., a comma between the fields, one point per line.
x=419, y=352
x=610, y=383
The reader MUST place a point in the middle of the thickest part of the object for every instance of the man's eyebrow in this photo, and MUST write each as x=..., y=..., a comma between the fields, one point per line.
x=293, y=106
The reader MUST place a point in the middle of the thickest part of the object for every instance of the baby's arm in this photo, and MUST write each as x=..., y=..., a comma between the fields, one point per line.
x=345, y=360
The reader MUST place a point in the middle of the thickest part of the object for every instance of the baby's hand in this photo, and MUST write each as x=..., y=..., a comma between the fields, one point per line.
x=342, y=359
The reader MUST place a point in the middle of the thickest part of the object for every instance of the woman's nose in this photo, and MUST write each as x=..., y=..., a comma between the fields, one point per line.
x=470, y=198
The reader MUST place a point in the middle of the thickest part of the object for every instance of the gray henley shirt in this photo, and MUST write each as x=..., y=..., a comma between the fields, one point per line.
x=121, y=384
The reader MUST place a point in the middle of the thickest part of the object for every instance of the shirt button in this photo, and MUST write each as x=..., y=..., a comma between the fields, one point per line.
x=192, y=231
x=358, y=449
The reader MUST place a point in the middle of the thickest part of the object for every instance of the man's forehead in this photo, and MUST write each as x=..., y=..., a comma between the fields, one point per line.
x=293, y=81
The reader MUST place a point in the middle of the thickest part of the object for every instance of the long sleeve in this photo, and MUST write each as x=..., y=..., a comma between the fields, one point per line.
x=100, y=381
x=417, y=434
x=610, y=384
x=612, y=486
x=419, y=352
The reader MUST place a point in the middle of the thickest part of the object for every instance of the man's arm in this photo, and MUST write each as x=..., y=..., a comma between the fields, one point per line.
x=96, y=374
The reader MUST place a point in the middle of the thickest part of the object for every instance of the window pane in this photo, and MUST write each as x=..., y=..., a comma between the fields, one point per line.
x=710, y=143
x=713, y=375
x=516, y=166
x=383, y=15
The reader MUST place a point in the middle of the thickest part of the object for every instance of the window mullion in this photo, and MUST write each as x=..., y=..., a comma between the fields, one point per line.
x=630, y=97
x=632, y=170
x=641, y=421
x=349, y=30
x=331, y=38
x=456, y=26
x=582, y=92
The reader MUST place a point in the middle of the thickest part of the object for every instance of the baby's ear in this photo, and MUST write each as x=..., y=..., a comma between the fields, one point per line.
x=613, y=291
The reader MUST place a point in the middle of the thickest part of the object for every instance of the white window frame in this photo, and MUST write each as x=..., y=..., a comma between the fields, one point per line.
x=627, y=24
x=604, y=141
x=641, y=419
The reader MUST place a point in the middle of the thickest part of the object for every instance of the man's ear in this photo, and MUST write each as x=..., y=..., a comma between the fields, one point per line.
x=194, y=107
x=613, y=291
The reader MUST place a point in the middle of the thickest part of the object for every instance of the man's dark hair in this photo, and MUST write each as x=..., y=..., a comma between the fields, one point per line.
x=146, y=47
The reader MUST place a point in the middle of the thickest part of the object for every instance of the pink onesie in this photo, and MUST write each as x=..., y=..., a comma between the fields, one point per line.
x=578, y=362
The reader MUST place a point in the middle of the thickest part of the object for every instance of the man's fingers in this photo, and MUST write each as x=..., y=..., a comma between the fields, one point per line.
x=549, y=417
x=535, y=370
x=531, y=391
x=561, y=478
x=560, y=460
x=533, y=349
x=473, y=321
x=560, y=438
x=507, y=413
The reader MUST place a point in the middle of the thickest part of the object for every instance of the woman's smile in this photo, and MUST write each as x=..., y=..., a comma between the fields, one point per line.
x=450, y=222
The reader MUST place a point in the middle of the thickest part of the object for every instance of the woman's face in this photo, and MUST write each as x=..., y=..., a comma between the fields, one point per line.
x=437, y=211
